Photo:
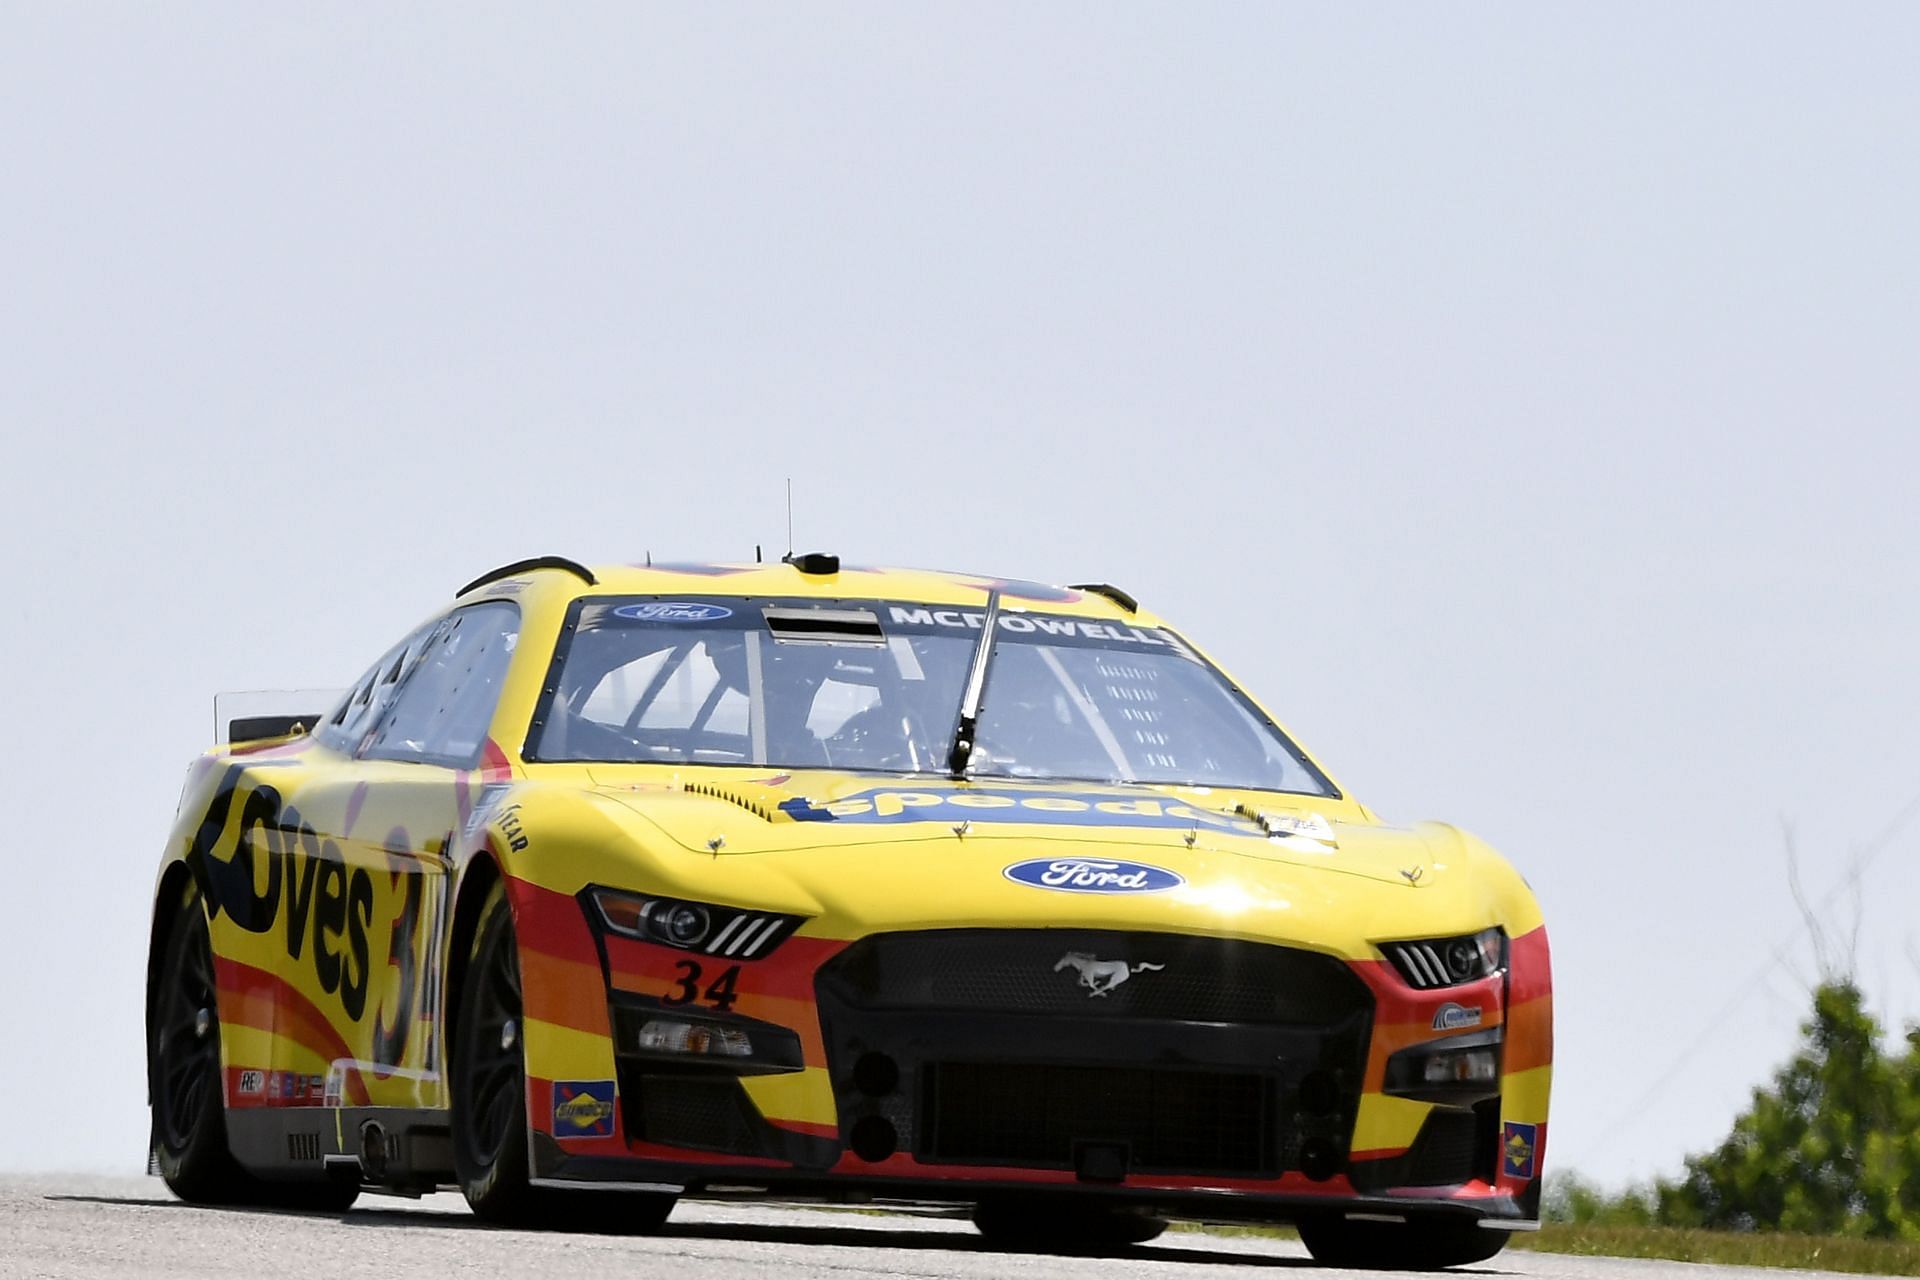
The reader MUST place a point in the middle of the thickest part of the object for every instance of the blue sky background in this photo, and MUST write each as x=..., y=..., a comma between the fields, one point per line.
x=1520, y=399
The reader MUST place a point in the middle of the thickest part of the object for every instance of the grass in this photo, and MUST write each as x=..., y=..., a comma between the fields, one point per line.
x=1726, y=1248
x=1729, y=1248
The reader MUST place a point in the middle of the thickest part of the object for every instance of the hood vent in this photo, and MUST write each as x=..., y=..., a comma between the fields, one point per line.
x=824, y=626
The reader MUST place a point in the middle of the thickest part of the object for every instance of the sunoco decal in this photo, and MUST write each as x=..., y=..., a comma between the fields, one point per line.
x=672, y=611
x=1519, y=1145
x=1093, y=875
x=583, y=1108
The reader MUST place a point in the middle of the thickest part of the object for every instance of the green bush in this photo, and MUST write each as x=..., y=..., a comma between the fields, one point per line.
x=1831, y=1147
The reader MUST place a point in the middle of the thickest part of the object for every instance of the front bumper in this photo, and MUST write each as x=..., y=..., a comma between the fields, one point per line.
x=1219, y=1078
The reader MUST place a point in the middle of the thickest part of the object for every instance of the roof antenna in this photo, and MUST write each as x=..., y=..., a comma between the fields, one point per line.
x=649, y=557
x=756, y=553
x=789, y=517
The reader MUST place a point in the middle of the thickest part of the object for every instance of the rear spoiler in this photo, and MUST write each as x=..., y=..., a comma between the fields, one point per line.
x=255, y=715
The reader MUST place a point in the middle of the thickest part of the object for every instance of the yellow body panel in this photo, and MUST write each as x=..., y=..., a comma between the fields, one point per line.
x=335, y=883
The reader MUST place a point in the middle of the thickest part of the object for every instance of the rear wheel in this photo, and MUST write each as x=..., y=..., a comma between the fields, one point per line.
x=184, y=1082
x=1062, y=1225
x=1399, y=1246
x=183, y=1067
x=489, y=1118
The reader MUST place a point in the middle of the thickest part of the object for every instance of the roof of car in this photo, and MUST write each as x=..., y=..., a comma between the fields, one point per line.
x=848, y=582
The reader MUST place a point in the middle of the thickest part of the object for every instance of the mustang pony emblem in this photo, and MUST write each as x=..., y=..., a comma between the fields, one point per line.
x=1101, y=976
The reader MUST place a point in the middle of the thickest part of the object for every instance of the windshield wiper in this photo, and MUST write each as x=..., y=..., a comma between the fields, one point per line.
x=962, y=753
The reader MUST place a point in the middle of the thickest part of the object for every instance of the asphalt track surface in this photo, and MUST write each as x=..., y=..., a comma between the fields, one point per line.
x=133, y=1228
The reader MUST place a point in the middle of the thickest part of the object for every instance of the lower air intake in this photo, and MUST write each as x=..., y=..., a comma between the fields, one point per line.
x=1037, y=1116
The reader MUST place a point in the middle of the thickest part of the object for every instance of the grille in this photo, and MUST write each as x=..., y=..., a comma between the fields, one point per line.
x=1034, y=1116
x=680, y=1111
x=1168, y=976
x=1445, y=1154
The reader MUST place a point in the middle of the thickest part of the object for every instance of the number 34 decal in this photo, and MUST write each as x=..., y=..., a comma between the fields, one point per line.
x=719, y=993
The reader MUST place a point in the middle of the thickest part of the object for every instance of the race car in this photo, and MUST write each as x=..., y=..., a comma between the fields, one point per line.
x=607, y=886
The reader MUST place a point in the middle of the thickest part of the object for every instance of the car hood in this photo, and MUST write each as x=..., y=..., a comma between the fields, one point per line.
x=1200, y=834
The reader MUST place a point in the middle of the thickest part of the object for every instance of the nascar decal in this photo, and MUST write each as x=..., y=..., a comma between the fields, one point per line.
x=978, y=804
x=583, y=1108
x=1093, y=875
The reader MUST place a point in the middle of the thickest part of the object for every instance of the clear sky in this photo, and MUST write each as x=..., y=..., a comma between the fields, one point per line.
x=1520, y=399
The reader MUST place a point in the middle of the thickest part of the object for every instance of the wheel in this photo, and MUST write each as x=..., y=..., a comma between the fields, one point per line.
x=1397, y=1246
x=1062, y=1226
x=490, y=1104
x=183, y=1068
x=183, y=1080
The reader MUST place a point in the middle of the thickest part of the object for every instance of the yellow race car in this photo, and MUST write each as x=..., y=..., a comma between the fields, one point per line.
x=607, y=886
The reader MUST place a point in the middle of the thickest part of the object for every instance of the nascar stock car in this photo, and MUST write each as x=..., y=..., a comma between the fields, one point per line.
x=607, y=886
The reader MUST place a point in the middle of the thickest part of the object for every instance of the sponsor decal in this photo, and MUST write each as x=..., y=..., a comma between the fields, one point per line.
x=672, y=611
x=977, y=804
x=274, y=875
x=1518, y=1147
x=1101, y=976
x=1093, y=875
x=509, y=821
x=1034, y=624
x=288, y=1084
x=583, y=1108
x=252, y=1083
x=1457, y=1017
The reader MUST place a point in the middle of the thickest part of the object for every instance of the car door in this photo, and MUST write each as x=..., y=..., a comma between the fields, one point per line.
x=380, y=904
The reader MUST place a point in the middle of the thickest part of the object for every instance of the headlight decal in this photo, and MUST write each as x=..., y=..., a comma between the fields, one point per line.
x=1431, y=964
x=731, y=933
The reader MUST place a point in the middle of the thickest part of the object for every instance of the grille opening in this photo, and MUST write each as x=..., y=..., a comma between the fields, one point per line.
x=1191, y=979
x=688, y=1111
x=1168, y=1121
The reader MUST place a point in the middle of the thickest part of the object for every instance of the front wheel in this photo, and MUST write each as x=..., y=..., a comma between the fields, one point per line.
x=490, y=1154
x=1399, y=1246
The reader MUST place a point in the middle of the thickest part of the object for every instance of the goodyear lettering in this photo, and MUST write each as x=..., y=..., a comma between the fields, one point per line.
x=510, y=827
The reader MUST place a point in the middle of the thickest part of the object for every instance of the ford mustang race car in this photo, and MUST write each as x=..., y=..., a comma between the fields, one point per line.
x=608, y=886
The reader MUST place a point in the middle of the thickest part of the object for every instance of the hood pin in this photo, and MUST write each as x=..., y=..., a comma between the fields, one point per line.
x=962, y=827
x=716, y=844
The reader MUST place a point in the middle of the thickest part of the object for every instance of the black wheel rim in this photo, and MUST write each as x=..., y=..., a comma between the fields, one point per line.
x=186, y=1056
x=491, y=1073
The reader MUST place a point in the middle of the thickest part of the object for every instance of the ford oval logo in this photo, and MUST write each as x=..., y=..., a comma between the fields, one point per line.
x=1093, y=875
x=672, y=611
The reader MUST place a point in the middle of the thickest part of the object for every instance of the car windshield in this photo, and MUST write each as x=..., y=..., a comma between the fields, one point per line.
x=876, y=686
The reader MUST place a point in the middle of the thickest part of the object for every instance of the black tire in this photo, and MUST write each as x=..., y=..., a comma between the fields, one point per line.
x=184, y=1082
x=489, y=1118
x=183, y=1067
x=1399, y=1246
x=1037, y=1225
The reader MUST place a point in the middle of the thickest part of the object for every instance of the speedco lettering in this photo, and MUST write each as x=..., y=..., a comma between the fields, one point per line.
x=1089, y=875
x=986, y=804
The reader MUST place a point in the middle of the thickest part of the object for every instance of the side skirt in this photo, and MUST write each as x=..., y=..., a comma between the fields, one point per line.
x=404, y=1148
